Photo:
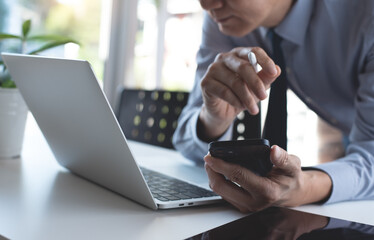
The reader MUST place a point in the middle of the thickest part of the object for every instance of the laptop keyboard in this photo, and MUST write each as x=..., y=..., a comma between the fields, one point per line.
x=165, y=188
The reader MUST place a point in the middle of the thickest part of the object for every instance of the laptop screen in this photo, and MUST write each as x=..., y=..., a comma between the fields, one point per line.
x=283, y=223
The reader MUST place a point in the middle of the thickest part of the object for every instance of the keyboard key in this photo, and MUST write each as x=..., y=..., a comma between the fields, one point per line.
x=165, y=188
x=173, y=198
x=162, y=199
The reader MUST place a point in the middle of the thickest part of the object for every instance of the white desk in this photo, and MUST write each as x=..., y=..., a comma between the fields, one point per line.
x=41, y=200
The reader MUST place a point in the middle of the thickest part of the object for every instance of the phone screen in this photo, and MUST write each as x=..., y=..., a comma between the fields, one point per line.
x=253, y=154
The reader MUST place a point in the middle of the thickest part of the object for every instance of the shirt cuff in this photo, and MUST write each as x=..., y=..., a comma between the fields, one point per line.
x=227, y=135
x=203, y=146
x=337, y=223
x=342, y=179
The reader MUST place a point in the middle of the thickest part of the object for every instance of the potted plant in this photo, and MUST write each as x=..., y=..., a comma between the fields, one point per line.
x=13, y=111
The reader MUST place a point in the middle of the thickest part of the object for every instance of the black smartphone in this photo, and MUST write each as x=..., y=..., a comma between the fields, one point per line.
x=253, y=154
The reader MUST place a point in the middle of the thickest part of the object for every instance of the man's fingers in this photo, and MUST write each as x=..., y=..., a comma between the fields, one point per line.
x=229, y=191
x=247, y=73
x=233, y=79
x=220, y=90
x=265, y=61
x=238, y=174
x=225, y=84
x=282, y=160
x=268, y=79
x=279, y=157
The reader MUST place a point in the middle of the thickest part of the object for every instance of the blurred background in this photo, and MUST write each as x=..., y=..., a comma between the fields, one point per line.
x=147, y=44
x=167, y=34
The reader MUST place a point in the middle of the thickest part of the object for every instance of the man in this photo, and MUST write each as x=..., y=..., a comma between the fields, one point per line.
x=328, y=50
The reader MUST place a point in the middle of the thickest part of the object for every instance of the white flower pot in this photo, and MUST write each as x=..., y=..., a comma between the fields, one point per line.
x=13, y=114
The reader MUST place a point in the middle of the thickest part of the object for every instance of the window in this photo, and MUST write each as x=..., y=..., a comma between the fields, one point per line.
x=153, y=45
x=167, y=40
x=79, y=19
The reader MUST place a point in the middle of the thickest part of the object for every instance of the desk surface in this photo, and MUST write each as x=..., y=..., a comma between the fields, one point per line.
x=41, y=200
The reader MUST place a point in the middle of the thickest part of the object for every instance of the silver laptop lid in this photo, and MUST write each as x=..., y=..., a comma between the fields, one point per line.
x=78, y=122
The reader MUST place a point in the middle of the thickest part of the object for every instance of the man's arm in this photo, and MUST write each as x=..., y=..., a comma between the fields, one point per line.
x=229, y=85
x=185, y=138
x=353, y=175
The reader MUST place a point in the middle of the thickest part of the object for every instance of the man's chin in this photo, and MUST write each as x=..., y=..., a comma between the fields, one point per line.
x=233, y=32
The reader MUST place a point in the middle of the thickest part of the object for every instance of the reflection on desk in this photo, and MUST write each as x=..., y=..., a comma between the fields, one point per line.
x=41, y=200
x=283, y=223
x=3, y=238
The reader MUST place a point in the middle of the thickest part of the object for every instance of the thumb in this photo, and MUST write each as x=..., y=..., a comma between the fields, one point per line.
x=289, y=164
x=267, y=78
x=279, y=157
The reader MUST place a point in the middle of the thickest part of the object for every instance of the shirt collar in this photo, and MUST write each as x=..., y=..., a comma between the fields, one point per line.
x=295, y=24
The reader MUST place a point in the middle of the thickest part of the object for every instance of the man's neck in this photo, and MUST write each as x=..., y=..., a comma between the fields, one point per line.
x=280, y=11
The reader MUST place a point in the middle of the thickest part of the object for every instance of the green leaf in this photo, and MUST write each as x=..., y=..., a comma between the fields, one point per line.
x=8, y=36
x=8, y=84
x=26, y=28
x=52, y=45
x=5, y=80
x=4, y=75
x=2, y=64
x=49, y=38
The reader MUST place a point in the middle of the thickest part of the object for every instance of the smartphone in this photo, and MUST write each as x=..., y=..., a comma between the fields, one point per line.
x=253, y=154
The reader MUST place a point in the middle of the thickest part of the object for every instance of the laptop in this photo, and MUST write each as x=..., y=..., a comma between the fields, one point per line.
x=84, y=135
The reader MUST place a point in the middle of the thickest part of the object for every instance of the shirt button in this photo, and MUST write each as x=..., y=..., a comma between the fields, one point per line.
x=288, y=70
x=308, y=100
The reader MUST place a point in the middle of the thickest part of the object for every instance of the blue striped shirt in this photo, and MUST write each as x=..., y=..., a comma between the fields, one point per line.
x=328, y=48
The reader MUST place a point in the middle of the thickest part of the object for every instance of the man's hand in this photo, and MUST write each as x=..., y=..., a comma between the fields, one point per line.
x=286, y=185
x=231, y=85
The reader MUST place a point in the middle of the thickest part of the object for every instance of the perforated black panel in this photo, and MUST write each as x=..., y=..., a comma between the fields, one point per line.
x=247, y=126
x=150, y=116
